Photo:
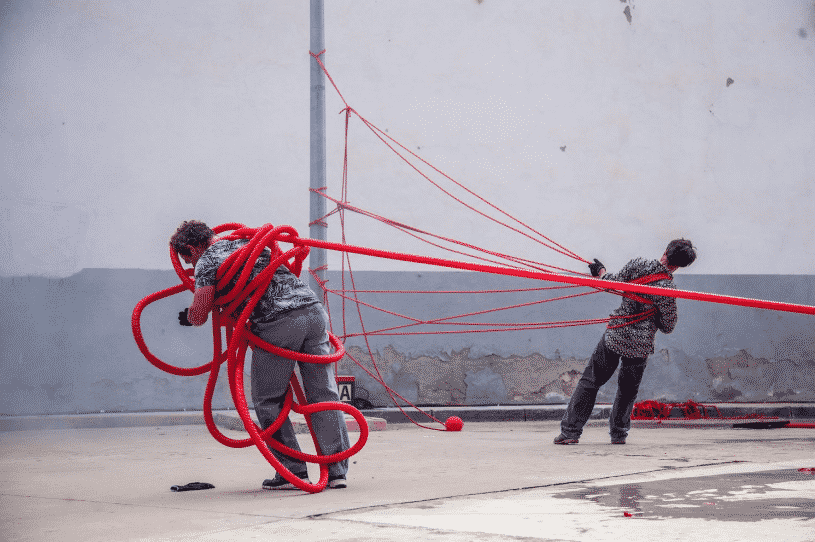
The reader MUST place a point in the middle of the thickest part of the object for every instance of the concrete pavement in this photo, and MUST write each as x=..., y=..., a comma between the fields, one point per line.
x=492, y=481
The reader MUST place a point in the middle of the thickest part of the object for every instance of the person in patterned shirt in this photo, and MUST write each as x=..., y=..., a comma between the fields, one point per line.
x=290, y=316
x=627, y=341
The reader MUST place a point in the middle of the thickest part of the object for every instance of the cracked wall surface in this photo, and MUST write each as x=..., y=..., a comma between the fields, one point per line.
x=717, y=352
x=67, y=344
x=460, y=379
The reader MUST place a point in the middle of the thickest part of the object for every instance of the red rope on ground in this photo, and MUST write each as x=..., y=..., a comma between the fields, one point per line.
x=689, y=410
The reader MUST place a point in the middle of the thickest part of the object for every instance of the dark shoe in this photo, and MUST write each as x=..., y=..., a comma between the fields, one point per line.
x=278, y=482
x=336, y=482
x=563, y=439
x=618, y=440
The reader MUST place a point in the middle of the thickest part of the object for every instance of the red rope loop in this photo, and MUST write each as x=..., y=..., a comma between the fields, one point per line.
x=240, y=339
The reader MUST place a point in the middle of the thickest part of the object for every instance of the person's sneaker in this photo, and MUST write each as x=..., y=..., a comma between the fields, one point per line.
x=618, y=440
x=563, y=439
x=336, y=482
x=278, y=482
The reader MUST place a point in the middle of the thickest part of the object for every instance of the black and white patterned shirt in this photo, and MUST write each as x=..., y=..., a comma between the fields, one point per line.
x=286, y=292
x=636, y=340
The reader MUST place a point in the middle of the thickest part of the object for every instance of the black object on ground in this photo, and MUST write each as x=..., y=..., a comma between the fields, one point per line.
x=761, y=425
x=192, y=486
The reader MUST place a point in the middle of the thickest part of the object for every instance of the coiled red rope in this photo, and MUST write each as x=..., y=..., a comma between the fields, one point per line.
x=239, y=339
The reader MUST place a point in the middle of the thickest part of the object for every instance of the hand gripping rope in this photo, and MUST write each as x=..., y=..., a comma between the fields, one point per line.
x=239, y=339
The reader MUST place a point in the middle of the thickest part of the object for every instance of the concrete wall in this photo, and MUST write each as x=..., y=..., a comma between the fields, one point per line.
x=120, y=119
x=67, y=345
x=716, y=353
x=611, y=126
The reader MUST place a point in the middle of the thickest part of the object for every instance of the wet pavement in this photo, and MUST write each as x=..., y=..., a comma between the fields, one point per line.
x=735, y=504
x=733, y=496
x=492, y=481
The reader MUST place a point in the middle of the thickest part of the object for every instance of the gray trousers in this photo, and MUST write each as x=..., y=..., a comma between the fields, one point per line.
x=301, y=330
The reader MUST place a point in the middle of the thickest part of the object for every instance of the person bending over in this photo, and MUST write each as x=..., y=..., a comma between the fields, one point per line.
x=627, y=342
x=290, y=316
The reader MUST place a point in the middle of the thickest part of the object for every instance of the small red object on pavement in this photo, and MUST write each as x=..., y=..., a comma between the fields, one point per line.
x=454, y=423
x=809, y=470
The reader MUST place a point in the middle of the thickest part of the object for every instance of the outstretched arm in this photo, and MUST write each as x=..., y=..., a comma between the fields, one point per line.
x=201, y=306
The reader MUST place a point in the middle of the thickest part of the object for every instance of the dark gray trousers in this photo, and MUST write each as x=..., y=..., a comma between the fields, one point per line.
x=599, y=370
x=301, y=330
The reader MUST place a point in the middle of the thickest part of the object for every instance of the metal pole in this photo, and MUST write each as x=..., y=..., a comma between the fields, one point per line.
x=318, y=257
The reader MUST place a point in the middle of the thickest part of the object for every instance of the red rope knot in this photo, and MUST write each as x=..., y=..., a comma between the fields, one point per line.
x=348, y=110
x=318, y=55
x=316, y=277
x=322, y=283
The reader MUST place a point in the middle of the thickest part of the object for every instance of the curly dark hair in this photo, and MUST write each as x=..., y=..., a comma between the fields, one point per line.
x=680, y=252
x=191, y=232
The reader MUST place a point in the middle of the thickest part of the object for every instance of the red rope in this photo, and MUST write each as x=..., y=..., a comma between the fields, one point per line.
x=383, y=136
x=342, y=205
x=628, y=290
x=459, y=292
x=444, y=320
x=238, y=342
x=578, y=280
x=412, y=231
x=239, y=339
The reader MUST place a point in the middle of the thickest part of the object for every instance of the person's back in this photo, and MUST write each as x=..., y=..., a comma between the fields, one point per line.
x=634, y=324
x=286, y=291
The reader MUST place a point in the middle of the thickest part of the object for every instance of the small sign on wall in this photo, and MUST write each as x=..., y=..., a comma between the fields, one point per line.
x=345, y=385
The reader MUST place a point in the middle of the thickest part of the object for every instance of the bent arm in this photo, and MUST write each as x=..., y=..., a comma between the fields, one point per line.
x=666, y=314
x=201, y=306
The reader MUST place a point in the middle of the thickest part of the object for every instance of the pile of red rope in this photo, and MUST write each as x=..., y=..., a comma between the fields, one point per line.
x=655, y=410
x=239, y=339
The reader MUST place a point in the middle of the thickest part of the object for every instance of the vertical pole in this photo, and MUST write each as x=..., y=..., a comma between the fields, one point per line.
x=317, y=258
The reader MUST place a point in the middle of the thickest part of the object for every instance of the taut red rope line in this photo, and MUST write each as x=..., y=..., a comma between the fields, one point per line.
x=445, y=320
x=383, y=136
x=412, y=231
x=629, y=290
x=578, y=280
x=239, y=338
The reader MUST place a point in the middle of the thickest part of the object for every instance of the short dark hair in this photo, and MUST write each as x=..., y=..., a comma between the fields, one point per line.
x=680, y=252
x=191, y=232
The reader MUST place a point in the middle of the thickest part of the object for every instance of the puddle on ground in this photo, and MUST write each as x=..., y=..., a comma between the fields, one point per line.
x=749, y=496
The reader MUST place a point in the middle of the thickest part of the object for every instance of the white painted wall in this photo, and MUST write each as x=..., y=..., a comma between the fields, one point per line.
x=119, y=119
